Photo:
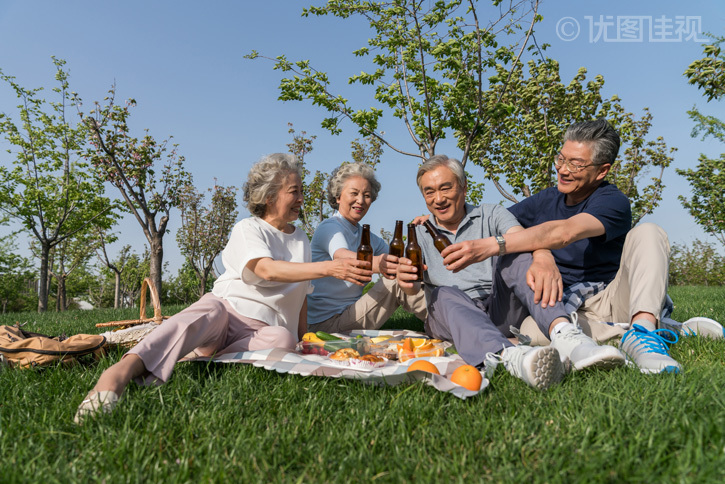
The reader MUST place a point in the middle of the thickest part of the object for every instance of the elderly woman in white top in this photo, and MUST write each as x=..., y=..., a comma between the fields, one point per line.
x=338, y=305
x=258, y=303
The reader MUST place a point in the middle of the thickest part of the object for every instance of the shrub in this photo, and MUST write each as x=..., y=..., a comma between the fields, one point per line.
x=698, y=265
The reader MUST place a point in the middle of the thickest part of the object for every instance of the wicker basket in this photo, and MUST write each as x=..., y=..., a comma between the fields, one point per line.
x=158, y=318
x=127, y=333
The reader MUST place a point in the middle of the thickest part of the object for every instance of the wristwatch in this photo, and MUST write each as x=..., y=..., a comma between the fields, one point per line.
x=501, y=245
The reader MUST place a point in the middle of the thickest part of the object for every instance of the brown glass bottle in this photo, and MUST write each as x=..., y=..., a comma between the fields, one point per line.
x=397, y=247
x=439, y=240
x=413, y=252
x=365, y=250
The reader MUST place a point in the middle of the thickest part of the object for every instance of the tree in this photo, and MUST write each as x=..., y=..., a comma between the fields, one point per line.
x=707, y=180
x=49, y=190
x=65, y=258
x=520, y=148
x=16, y=273
x=313, y=209
x=441, y=69
x=184, y=288
x=135, y=270
x=430, y=61
x=698, y=265
x=204, y=231
x=116, y=267
x=149, y=175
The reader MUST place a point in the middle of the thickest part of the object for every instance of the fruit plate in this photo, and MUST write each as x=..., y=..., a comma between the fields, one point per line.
x=325, y=348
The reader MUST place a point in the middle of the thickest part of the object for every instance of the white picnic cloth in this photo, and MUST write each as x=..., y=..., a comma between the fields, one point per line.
x=393, y=373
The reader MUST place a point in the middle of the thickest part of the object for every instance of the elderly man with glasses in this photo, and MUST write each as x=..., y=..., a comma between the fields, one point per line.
x=610, y=273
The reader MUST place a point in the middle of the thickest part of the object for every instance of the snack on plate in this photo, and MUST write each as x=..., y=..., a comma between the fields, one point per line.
x=368, y=362
x=344, y=354
x=371, y=358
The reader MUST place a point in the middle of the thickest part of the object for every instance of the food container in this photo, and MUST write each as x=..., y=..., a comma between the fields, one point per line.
x=324, y=348
x=426, y=349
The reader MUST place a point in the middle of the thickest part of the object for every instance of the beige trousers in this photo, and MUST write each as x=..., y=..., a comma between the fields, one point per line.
x=374, y=308
x=640, y=285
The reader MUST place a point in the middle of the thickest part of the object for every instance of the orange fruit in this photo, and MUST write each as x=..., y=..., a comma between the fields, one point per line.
x=468, y=377
x=423, y=365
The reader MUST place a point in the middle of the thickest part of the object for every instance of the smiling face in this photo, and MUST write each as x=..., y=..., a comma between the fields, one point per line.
x=578, y=186
x=355, y=199
x=285, y=208
x=444, y=197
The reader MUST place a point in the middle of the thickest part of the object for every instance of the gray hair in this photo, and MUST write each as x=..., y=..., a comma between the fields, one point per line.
x=348, y=170
x=602, y=139
x=265, y=179
x=442, y=160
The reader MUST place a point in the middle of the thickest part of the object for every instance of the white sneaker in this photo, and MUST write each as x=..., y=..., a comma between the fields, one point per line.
x=539, y=366
x=648, y=348
x=703, y=327
x=584, y=352
x=94, y=404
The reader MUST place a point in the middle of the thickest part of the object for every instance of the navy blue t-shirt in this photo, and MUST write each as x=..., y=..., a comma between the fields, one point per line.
x=595, y=259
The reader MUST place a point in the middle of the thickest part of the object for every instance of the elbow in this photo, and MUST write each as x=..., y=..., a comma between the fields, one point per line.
x=563, y=237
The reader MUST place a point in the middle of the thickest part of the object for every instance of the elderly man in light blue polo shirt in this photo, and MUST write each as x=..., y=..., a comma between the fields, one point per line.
x=477, y=306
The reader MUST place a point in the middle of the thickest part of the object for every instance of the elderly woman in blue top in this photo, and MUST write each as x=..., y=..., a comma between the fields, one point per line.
x=336, y=305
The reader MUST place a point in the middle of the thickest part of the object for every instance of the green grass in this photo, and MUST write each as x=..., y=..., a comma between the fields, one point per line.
x=238, y=423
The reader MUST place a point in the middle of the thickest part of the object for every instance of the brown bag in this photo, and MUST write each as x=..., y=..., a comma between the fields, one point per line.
x=25, y=350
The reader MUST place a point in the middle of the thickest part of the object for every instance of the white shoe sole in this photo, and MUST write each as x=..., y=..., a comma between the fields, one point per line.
x=652, y=371
x=605, y=360
x=543, y=368
x=703, y=327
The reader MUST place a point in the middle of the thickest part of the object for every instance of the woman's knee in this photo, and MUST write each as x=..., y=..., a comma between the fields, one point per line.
x=273, y=337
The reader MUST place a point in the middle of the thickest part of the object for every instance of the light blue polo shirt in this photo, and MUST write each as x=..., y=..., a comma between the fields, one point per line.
x=331, y=296
x=486, y=220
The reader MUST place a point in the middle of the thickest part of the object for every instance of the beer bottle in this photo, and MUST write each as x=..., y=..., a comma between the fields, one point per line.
x=413, y=252
x=397, y=248
x=439, y=240
x=365, y=250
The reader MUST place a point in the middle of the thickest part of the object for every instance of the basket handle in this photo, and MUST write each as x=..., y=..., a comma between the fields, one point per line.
x=149, y=285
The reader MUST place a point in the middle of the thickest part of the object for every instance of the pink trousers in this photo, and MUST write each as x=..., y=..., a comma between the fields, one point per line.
x=209, y=326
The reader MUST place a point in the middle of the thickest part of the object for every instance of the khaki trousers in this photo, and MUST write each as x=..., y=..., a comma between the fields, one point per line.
x=640, y=285
x=374, y=308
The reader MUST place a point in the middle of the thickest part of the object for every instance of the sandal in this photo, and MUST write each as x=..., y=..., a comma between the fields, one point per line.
x=93, y=404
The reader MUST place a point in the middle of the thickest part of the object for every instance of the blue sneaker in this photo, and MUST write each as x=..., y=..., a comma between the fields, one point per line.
x=649, y=348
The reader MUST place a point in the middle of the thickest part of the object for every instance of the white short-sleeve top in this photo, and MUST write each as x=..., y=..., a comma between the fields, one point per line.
x=275, y=303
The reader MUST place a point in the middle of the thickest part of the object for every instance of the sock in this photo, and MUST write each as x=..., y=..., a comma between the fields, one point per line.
x=648, y=325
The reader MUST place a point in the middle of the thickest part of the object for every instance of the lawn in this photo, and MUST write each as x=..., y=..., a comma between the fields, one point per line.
x=237, y=423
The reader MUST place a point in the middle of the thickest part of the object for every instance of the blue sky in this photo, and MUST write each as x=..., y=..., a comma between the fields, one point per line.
x=183, y=63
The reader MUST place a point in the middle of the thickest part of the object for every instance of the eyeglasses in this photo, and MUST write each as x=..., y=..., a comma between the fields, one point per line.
x=572, y=166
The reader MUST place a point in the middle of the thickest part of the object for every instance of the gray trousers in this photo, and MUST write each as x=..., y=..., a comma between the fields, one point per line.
x=479, y=326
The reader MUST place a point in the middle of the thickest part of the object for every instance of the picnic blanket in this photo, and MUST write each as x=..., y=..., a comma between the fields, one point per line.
x=393, y=373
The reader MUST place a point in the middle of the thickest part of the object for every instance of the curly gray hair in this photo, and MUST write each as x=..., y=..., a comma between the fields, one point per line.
x=347, y=170
x=265, y=180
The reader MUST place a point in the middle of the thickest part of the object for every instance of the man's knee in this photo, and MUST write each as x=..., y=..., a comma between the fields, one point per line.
x=648, y=233
x=511, y=267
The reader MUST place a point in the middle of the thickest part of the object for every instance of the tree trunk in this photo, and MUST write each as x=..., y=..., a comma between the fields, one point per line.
x=62, y=303
x=157, y=261
x=43, y=279
x=202, y=286
x=117, y=290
